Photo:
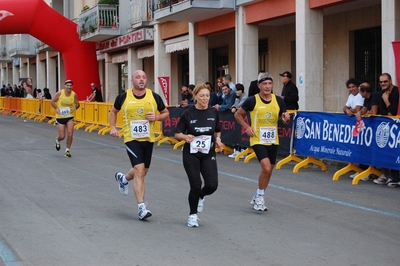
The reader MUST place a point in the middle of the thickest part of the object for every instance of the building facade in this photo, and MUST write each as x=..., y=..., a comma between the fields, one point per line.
x=322, y=42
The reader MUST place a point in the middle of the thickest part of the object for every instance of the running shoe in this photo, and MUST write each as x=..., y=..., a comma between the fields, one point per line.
x=58, y=146
x=200, y=205
x=381, y=180
x=365, y=178
x=233, y=155
x=192, y=221
x=353, y=175
x=391, y=183
x=123, y=187
x=143, y=212
x=67, y=154
x=259, y=203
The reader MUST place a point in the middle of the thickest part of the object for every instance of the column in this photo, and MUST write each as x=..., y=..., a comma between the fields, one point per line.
x=309, y=56
x=51, y=81
x=390, y=32
x=162, y=60
x=111, y=74
x=198, y=56
x=40, y=73
x=246, y=49
x=61, y=75
x=133, y=63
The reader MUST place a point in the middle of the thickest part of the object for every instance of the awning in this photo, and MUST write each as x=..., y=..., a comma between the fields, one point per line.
x=177, y=44
x=147, y=51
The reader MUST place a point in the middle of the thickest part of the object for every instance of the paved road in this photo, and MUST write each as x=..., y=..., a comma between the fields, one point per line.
x=68, y=211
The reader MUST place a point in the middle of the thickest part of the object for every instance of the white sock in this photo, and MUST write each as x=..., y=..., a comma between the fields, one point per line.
x=66, y=149
x=260, y=192
x=141, y=205
x=124, y=180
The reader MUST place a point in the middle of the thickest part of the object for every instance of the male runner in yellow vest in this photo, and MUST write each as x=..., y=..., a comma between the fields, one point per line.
x=139, y=106
x=66, y=103
x=265, y=110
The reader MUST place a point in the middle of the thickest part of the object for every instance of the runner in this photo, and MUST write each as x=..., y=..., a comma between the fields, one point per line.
x=265, y=110
x=199, y=127
x=139, y=106
x=66, y=103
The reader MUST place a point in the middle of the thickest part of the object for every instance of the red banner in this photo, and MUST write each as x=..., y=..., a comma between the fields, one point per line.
x=164, y=83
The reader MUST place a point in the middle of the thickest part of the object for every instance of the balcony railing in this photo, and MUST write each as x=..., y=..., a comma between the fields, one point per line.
x=42, y=47
x=22, y=45
x=191, y=10
x=4, y=56
x=99, y=23
x=141, y=14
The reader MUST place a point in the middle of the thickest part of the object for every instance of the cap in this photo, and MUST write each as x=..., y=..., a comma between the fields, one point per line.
x=286, y=74
x=68, y=81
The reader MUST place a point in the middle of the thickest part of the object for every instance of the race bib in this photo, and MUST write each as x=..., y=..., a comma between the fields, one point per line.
x=65, y=111
x=267, y=134
x=200, y=144
x=140, y=129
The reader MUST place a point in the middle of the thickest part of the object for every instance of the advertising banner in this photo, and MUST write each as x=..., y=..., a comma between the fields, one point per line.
x=164, y=84
x=330, y=136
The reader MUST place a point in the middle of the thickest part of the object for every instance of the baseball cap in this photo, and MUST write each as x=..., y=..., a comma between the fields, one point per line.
x=286, y=74
x=68, y=81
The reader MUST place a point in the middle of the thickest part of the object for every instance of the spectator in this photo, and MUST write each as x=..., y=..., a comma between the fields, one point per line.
x=220, y=94
x=39, y=94
x=96, y=94
x=388, y=105
x=227, y=79
x=354, y=101
x=3, y=91
x=290, y=93
x=189, y=98
x=228, y=100
x=253, y=88
x=241, y=96
x=47, y=94
x=213, y=96
x=371, y=106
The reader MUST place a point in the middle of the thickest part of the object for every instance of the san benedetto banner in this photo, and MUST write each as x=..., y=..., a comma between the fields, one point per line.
x=330, y=136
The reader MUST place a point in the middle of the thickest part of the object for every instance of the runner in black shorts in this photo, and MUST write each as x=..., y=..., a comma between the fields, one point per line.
x=265, y=110
x=140, y=107
x=66, y=103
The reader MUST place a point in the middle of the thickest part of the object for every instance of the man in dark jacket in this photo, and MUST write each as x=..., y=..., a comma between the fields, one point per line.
x=290, y=93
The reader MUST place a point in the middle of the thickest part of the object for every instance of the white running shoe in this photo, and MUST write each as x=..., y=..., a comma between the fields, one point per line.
x=353, y=175
x=233, y=155
x=143, y=212
x=365, y=178
x=381, y=180
x=123, y=187
x=192, y=221
x=200, y=205
x=259, y=204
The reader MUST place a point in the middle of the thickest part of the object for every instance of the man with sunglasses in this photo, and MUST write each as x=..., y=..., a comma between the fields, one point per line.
x=388, y=105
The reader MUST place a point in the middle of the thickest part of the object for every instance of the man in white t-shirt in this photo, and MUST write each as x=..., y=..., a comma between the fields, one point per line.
x=355, y=101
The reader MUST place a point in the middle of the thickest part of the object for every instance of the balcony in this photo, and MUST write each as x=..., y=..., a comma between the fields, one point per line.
x=42, y=47
x=191, y=10
x=140, y=14
x=99, y=23
x=22, y=45
x=4, y=56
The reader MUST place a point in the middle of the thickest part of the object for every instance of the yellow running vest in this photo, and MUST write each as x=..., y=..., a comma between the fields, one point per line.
x=136, y=126
x=264, y=121
x=66, y=104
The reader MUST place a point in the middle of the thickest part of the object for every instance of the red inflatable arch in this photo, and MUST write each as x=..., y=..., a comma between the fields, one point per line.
x=36, y=18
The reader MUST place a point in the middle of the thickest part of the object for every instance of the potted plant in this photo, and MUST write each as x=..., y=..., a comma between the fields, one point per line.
x=4, y=53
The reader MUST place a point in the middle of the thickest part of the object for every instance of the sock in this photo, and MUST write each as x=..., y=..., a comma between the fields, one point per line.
x=124, y=180
x=66, y=149
x=141, y=205
x=260, y=192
